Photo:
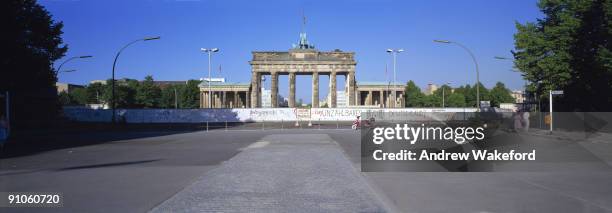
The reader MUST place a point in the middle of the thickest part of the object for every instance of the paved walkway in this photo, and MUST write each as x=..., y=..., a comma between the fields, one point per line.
x=280, y=173
x=576, y=136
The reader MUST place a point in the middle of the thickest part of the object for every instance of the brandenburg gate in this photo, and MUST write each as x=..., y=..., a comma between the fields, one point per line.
x=302, y=62
x=302, y=59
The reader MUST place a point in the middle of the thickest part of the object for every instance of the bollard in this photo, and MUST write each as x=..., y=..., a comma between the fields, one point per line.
x=282, y=122
x=263, y=125
x=319, y=123
x=207, y=126
x=225, y=125
x=337, y=124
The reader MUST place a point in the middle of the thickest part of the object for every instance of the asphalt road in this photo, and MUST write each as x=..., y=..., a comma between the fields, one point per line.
x=274, y=170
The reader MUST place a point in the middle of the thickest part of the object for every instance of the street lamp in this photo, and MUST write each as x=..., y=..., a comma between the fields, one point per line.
x=443, y=88
x=209, y=51
x=59, y=69
x=526, y=83
x=476, y=63
x=394, y=53
x=115, y=63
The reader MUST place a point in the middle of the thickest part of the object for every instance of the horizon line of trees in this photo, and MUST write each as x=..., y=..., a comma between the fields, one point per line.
x=463, y=96
x=134, y=94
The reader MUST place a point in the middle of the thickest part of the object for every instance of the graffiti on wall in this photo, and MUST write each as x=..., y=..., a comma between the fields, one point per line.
x=248, y=115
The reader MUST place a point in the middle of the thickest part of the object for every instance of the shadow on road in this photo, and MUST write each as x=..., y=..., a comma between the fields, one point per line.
x=93, y=166
x=23, y=143
x=108, y=165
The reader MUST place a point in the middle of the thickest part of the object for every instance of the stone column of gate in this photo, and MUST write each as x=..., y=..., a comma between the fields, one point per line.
x=255, y=79
x=382, y=98
x=291, y=89
x=274, y=85
x=315, y=89
x=206, y=104
x=247, y=96
x=236, y=98
x=220, y=99
x=201, y=99
x=350, y=80
x=224, y=99
x=332, y=89
x=205, y=101
x=393, y=98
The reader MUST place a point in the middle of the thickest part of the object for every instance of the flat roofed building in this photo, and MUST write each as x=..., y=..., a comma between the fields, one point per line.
x=380, y=94
x=224, y=95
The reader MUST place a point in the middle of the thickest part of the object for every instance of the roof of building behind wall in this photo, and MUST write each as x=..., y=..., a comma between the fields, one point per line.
x=377, y=83
x=234, y=84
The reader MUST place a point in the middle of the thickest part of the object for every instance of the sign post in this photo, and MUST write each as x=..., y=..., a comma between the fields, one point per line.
x=550, y=105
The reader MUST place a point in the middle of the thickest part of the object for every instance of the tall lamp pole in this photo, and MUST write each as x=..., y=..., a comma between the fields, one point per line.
x=394, y=52
x=59, y=68
x=475, y=63
x=443, y=88
x=113, y=75
x=209, y=51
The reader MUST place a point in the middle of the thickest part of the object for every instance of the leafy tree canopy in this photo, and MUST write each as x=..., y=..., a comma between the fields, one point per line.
x=569, y=49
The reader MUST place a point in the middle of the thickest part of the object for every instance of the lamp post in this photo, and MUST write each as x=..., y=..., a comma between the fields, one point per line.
x=175, y=99
x=475, y=63
x=443, y=87
x=59, y=68
x=512, y=70
x=394, y=52
x=209, y=51
x=113, y=74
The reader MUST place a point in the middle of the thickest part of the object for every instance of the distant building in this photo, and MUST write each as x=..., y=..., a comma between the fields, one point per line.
x=340, y=99
x=66, y=87
x=103, y=82
x=519, y=96
x=431, y=88
x=221, y=80
x=266, y=99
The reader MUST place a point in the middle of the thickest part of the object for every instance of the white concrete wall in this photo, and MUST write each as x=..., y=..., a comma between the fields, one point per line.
x=248, y=114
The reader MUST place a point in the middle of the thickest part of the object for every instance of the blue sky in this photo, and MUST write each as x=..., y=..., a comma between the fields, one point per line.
x=100, y=28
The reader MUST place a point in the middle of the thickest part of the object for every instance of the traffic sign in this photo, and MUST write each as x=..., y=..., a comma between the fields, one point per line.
x=557, y=92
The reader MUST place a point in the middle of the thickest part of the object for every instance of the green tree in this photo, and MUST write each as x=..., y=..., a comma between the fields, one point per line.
x=168, y=95
x=447, y=90
x=190, y=95
x=125, y=93
x=94, y=93
x=500, y=94
x=432, y=101
x=466, y=92
x=455, y=100
x=569, y=49
x=79, y=96
x=413, y=95
x=31, y=41
x=65, y=99
x=148, y=94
